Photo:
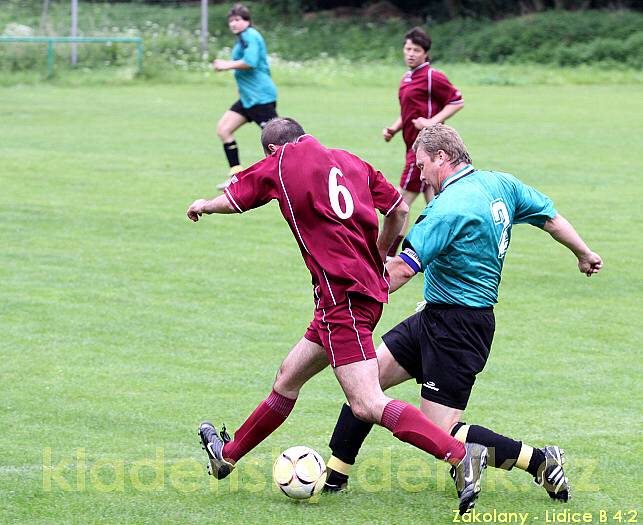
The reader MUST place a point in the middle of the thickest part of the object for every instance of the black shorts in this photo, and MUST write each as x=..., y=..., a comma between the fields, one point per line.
x=260, y=114
x=444, y=347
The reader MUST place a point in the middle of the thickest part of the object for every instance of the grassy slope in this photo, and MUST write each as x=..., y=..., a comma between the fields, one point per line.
x=123, y=324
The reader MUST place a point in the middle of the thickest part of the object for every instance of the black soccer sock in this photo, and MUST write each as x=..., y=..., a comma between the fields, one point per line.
x=536, y=461
x=336, y=480
x=503, y=451
x=232, y=153
x=348, y=436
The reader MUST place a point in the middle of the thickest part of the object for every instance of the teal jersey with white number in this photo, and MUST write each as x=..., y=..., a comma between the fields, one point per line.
x=255, y=84
x=461, y=238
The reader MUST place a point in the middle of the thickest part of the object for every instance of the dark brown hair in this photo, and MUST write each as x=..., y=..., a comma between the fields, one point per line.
x=279, y=131
x=240, y=10
x=418, y=36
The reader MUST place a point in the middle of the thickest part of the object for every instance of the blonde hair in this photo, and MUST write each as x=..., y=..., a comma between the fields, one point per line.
x=445, y=138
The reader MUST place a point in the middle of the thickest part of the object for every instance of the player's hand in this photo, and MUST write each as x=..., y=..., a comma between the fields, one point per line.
x=590, y=263
x=220, y=65
x=388, y=133
x=196, y=209
x=421, y=122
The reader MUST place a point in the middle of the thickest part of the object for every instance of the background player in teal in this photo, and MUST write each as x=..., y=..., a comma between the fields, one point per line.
x=459, y=242
x=257, y=92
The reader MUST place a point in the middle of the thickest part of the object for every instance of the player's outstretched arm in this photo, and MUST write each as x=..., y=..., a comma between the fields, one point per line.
x=392, y=227
x=561, y=230
x=219, y=204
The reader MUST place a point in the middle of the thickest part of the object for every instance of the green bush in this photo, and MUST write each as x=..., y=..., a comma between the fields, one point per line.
x=555, y=37
x=634, y=48
x=172, y=37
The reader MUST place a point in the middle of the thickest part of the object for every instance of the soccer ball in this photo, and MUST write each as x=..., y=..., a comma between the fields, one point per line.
x=299, y=472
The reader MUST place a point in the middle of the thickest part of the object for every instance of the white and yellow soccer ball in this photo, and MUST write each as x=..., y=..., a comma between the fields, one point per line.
x=299, y=472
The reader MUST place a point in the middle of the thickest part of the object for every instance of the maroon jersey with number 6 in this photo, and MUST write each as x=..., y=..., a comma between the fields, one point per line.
x=328, y=197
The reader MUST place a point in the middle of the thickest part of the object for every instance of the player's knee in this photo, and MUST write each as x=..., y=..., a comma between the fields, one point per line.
x=364, y=410
x=286, y=383
x=224, y=132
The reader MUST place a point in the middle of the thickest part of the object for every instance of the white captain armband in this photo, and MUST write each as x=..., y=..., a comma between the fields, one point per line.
x=411, y=258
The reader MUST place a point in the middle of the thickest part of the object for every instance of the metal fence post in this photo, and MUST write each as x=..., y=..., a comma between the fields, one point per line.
x=50, y=58
x=74, y=31
x=139, y=55
x=204, y=28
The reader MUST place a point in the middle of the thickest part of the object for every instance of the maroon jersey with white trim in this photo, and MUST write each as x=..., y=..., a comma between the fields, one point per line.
x=424, y=91
x=328, y=197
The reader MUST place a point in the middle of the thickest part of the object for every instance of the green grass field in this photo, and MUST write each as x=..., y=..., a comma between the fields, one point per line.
x=123, y=324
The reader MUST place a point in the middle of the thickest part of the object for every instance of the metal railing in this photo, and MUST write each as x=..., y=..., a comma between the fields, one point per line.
x=51, y=40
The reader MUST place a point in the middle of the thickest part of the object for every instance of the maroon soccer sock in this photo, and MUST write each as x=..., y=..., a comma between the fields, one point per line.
x=410, y=425
x=265, y=419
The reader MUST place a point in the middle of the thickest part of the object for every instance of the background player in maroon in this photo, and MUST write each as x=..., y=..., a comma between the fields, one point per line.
x=328, y=198
x=426, y=98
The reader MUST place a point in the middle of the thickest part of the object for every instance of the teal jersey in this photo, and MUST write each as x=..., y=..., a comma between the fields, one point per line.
x=461, y=238
x=255, y=85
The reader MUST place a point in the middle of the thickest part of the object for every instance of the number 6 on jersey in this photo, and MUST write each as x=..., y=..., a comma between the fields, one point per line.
x=334, y=191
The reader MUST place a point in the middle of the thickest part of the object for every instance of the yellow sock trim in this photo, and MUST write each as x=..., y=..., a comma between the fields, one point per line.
x=462, y=433
x=236, y=169
x=339, y=466
x=524, y=457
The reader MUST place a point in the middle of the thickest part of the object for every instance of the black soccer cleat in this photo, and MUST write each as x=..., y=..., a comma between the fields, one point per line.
x=335, y=482
x=551, y=475
x=468, y=475
x=213, y=443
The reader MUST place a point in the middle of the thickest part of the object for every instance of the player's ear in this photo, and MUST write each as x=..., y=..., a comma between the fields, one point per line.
x=272, y=148
x=442, y=156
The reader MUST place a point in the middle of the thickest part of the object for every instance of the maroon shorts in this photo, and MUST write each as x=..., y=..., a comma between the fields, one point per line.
x=346, y=330
x=410, y=179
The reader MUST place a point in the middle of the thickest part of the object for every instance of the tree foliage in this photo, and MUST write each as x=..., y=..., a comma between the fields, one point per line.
x=438, y=10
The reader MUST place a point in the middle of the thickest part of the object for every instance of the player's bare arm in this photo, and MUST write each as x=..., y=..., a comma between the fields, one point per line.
x=562, y=231
x=399, y=272
x=219, y=204
x=390, y=131
x=447, y=112
x=226, y=65
x=393, y=224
